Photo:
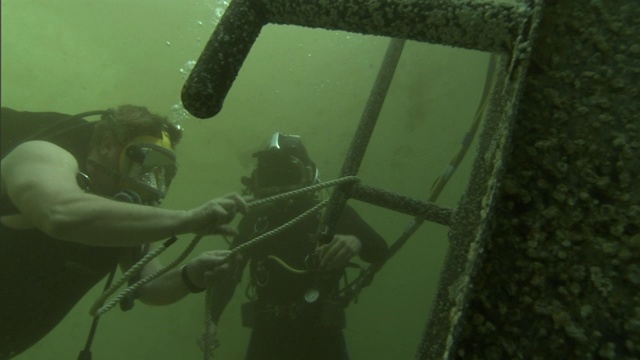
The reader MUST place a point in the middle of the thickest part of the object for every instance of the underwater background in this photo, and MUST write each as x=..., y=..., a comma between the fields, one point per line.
x=72, y=56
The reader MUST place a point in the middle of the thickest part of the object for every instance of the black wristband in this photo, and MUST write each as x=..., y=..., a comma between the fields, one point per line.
x=188, y=283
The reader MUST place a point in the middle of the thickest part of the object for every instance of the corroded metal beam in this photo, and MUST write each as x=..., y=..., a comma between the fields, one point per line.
x=471, y=24
x=561, y=276
x=402, y=204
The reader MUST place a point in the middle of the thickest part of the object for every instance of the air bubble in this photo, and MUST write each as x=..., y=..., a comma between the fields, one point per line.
x=178, y=113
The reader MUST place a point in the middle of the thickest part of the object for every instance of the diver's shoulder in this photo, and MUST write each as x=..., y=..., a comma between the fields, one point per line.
x=39, y=150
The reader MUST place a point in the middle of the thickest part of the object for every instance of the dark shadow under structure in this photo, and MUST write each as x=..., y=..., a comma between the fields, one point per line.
x=544, y=256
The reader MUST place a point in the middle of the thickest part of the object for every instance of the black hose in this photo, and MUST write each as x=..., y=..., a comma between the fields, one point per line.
x=62, y=122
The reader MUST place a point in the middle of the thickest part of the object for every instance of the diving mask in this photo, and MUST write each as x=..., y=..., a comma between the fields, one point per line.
x=147, y=166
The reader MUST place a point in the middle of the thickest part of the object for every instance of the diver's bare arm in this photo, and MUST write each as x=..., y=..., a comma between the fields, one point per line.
x=202, y=272
x=40, y=178
x=164, y=290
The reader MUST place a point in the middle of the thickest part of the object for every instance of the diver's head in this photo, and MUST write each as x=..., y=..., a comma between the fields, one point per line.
x=133, y=152
x=283, y=166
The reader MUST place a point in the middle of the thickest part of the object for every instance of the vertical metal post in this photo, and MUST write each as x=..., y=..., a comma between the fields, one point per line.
x=363, y=133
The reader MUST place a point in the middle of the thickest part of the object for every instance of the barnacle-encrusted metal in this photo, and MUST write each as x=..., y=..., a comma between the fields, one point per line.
x=545, y=243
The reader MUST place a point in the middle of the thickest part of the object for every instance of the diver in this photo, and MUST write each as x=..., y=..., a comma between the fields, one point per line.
x=293, y=310
x=77, y=199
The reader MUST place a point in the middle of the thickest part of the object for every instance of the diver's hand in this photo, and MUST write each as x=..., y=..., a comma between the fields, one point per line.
x=213, y=216
x=337, y=253
x=206, y=268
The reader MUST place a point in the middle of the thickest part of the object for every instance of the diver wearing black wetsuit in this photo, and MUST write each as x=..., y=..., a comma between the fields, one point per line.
x=46, y=277
x=293, y=315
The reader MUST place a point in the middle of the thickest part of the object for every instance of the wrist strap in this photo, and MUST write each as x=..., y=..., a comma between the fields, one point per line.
x=188, y=283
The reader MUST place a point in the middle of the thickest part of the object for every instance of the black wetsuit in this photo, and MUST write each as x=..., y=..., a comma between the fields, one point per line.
x=288, y=322
x=42, y=278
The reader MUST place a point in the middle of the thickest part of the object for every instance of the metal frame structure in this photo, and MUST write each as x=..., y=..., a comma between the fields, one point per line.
x=544, y=244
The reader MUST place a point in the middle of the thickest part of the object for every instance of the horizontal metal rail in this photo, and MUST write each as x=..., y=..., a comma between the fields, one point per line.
x=478, y=25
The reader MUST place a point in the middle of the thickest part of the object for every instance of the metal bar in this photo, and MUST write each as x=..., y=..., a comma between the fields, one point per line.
x=471, y=222
x=361, y=138
x=560, y=276
x=219, y=63
x=471, y=24
x=403, y=204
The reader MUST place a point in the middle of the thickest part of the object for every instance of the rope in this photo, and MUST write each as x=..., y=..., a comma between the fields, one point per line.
x=98, y=308
x=297, y=192
x=209, y=325
x=468, y=138
x=278, y=230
